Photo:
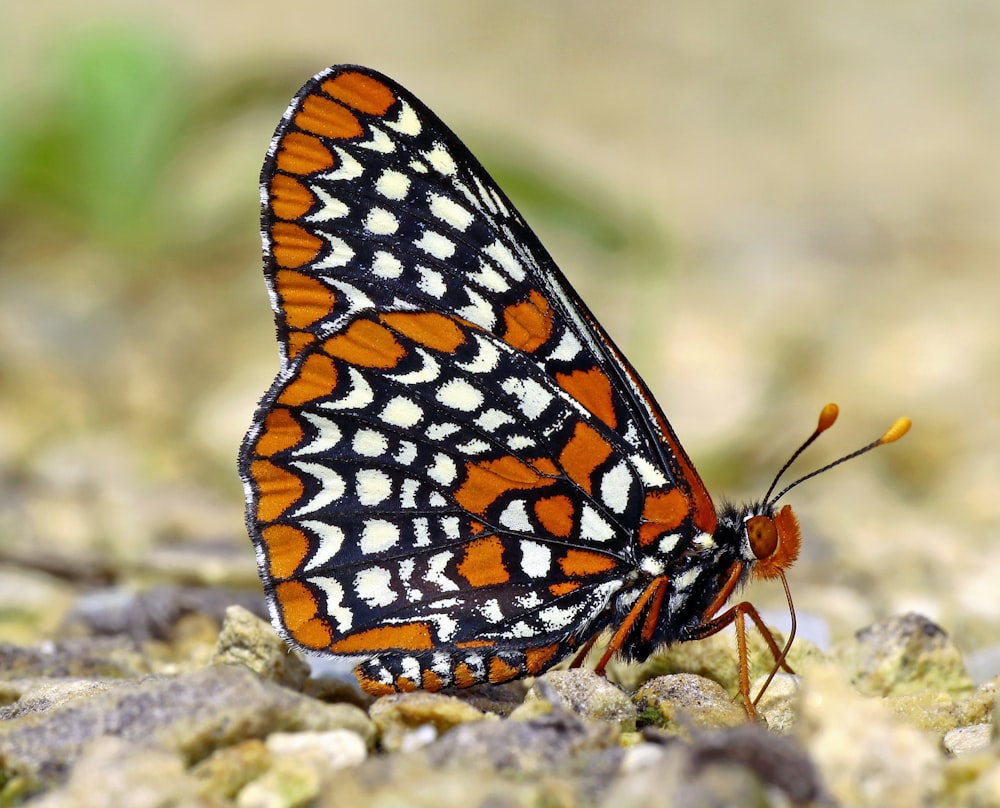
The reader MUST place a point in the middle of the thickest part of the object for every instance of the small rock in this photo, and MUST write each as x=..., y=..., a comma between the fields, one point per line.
x=112, y=771
x=407, y=781
x=983, y=706
x=334, y=749
x=865, y=754
x=398, y=715
x=585, y=693
x=702, y=701
x=904, y=655
x=778, y=705
x=193, y=714
x=714, y=657
x=670, y=780
x=779, y=761
x=27, y=696
x=741, y=765
x=225, y=771
x=500, y=700
x=928, y=710
x=542, y=746
x=82, y=657
x=965, y=740
x=247, y=640
x=289, y=783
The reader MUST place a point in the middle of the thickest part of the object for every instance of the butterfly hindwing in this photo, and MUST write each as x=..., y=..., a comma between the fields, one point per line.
x=454, y=455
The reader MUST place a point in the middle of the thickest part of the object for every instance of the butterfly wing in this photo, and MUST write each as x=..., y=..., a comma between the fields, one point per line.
x=455, y=469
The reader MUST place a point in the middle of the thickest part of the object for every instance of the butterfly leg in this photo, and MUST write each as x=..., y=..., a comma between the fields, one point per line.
x=581, y=655
x=652, y=595
x=738, y=614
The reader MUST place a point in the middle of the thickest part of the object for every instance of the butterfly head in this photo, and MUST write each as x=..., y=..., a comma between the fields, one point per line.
x=770, y=538
x=772, y=541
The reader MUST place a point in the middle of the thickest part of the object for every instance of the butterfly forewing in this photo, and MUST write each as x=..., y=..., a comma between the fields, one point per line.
x=455, y=471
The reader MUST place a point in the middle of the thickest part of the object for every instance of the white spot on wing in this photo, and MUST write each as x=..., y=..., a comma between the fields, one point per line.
x=377, y=536
x=369, y=443
x=485, y=360
x=593, y=526
x=441, y=160
x=435, y=572
x=330, y=207
x=450, y=212
x=491, y=611
x=410, y=668
x=374, y=586
x=452, y=527
x=340, y=254
x=667, y=544
x=616, y=486
x=373, y=486
x=407, y=453
x=402, y=412
x=567, y=349
x=328, y=435
x=478, y=310
x=352, y=296
x=357, y=398
x=489, y=278
x=436, y=245
x=518, y=442
x=652, y=477
x=443, y=470
x=386, y=265
x=505, y=259
x=531, y=397
x=331, y=539
x=472, y=447
x=431, y=282
x=393, y=184
x=407, y=122
x=442, y=431
x=515, y=517
x=493, y=419
x=333, y=592
x=460, y=395
x=347, y=168
x=332, y=486
x=555, y=617
x=535, y=559
x=408, y=493
x=446, y=626
x=379, y=142
x=422, y=532
x=381, y=222
x=425, y=374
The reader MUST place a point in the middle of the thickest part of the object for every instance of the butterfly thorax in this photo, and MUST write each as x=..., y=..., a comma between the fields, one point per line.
x=750, y=541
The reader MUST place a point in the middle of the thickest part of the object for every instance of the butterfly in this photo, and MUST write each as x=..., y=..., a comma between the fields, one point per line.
x=456, y=476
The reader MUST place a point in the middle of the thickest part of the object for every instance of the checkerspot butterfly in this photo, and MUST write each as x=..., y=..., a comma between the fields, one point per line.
x=456, y=477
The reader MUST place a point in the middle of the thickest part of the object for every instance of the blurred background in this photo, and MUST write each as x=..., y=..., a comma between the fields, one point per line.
x=769, y=205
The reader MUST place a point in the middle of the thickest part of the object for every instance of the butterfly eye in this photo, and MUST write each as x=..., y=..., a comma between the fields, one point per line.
x=774, y=541
x=763, y=536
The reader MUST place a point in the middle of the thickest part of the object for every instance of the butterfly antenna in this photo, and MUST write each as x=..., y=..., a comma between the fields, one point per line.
x=826, y=419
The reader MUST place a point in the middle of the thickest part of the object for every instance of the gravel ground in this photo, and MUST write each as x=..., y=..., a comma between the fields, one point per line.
x=770, y=208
